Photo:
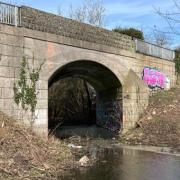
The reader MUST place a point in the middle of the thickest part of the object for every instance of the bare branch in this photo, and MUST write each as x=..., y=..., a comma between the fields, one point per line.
x=95, y=12
x=161, y=39
x=177, y=5
x=171, y=18
x=59, y=11
x=91, y=12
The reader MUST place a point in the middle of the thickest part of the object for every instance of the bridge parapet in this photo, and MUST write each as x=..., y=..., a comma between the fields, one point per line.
x=10, y=14
x=154, y=50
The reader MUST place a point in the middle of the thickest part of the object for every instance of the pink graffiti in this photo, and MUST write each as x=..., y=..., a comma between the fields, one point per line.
x=154, y=78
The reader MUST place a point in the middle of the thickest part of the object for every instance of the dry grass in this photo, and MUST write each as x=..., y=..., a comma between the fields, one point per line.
x=160, y=126
x=25, y=156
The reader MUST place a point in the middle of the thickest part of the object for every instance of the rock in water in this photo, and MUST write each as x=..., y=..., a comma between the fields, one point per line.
x=84, y=161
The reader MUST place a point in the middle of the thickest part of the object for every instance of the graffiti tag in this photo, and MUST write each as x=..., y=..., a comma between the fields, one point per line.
x=154, y=78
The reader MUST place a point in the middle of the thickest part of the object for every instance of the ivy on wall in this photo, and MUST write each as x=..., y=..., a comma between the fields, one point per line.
x=25, y=89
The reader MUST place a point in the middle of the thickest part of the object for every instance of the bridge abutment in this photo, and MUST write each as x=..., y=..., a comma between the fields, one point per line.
x=135, y=100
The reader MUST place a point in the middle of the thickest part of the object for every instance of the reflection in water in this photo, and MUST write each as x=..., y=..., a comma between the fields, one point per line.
x=91, y=131
x=125, y=164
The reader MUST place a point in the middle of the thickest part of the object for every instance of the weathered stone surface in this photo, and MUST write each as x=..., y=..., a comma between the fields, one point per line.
x=7, y=72
x=109, y=63
x=135, y=99
x=7, y=93
x=46, y=22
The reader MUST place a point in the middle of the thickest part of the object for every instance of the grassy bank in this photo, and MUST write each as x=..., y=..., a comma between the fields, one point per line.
x=160, y=125
x=25, y=156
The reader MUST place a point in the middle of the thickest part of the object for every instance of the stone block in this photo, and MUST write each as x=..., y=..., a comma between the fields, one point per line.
x=13, y=51
x=42, y=85
x=7, y=93
x=7, y=72
x=42, y=103
x=6, y=82
x=41, y=117
x=11, y=39
x=42, y=94
x=7, y=104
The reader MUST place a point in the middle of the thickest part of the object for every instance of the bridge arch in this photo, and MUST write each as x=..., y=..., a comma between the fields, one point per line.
x=111, y=62
x=107, y=85
x=100, y=76
x=115, y=83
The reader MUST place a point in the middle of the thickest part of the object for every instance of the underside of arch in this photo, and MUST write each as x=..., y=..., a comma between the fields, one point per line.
x=96, y=74
x=108, y=89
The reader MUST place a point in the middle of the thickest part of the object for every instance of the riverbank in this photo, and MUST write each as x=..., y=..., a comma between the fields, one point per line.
x=26, y=156
x=160, y=125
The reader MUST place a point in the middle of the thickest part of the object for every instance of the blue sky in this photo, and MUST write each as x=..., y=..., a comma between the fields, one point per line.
x=125, y=13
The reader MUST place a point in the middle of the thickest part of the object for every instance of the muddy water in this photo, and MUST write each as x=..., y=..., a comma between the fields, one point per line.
x=114, y=162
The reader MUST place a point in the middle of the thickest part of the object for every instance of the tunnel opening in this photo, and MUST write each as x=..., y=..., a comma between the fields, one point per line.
x=71, y=102
x=84, y=94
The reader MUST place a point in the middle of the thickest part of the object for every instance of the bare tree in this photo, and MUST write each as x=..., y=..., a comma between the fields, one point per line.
x=79, y=13
x=59, y=11
x=91, y=12
x=161, y=38
x=95, y=12
x=172, y=17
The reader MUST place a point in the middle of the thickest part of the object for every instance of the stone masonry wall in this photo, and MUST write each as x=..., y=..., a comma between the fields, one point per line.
x=46, y=22
x=16, y=42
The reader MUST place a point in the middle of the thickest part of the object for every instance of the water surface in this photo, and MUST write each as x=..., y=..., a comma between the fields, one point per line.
x=128, y=164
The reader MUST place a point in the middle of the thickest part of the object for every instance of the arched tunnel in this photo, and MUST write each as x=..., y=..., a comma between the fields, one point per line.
x=103, y=96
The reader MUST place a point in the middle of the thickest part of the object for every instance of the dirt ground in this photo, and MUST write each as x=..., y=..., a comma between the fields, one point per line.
x=160, y=125
x=25, y=156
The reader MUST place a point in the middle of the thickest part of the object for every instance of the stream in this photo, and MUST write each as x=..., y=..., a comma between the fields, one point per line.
x=112, y=161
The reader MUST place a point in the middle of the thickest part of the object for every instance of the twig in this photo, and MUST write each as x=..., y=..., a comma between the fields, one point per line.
x=5, y=170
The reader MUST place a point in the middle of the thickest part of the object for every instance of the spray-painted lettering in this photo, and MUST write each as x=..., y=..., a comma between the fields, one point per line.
x=154, y=78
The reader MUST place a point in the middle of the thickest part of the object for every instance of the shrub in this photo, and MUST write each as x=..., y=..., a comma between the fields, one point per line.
x=130, y=32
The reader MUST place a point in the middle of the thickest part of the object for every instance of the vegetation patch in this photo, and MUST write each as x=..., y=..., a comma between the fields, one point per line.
x=25, y=90
x=160, y=126
x=23, y=155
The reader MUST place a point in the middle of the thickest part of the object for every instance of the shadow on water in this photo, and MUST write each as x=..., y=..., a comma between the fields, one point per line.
x=124, y=164
x=89, y=131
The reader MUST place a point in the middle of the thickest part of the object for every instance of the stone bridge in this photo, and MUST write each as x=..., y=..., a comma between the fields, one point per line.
x=107, y=60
